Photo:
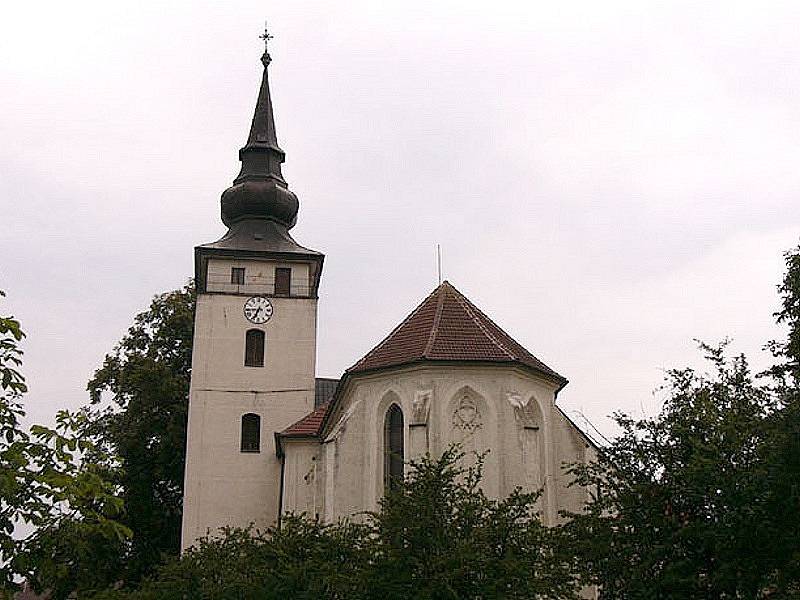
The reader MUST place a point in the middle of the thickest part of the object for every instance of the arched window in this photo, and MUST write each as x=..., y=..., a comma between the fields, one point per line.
x=251, y=433
x=393, y=447
x=254, y=348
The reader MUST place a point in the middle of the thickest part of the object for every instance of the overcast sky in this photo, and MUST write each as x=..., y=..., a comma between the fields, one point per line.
x=607, y=180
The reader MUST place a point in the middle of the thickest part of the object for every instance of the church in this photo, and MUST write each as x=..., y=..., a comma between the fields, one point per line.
x=266, y=436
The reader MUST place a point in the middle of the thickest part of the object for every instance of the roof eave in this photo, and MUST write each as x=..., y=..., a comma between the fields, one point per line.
x=348, y=375
x=281, y=437
x=552, y=376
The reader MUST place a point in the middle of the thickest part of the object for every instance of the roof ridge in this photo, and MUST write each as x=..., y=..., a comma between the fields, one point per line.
x=393, y=331
x=437, y=318
x=468, y=306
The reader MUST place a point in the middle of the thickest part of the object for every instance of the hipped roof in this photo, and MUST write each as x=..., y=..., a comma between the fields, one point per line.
x=445, y=327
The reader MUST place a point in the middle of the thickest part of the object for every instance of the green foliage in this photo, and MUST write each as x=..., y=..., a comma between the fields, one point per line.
x=43, y=482
x=678, y=494
x=17, y=500
x=304, y=560
x=439, y=536
x=83, y=525
x=703, y=501
x=126, y=449
x=787, y=370
x=146, y=378
x=436, y=537
x=780, y=501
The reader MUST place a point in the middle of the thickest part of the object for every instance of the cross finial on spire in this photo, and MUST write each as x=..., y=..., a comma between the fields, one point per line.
x=266, y=36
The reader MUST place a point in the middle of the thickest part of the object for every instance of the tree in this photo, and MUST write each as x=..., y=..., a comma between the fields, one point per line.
x=702, y=500
x=436, y=536
x=786, y=371
x=43, y=482
x=81, y=523
x=304, y=560
x=673, y=514
x=17, y=501
x=132, y=435
x=439, y=536
x=780, y=502
x=144, y=425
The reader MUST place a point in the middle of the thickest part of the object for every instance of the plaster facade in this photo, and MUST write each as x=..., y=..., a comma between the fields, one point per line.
x=505, y=410
x=223, y=485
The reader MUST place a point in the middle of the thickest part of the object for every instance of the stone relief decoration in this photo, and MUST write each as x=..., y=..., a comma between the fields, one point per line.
x=467, y=417
x=420, y=407
x=525, y=411
x=515, y=399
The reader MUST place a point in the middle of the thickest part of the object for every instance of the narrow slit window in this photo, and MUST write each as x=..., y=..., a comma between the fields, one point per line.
x=393, y=449
x=251, y=433
x=283, y=281
x=237, y=275
x=254, y=348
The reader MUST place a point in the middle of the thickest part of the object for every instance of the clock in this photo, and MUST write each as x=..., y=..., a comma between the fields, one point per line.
x=258, y=309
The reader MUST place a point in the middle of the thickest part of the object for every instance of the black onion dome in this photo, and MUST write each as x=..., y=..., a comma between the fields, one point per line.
x=259, y=200
x=260, y=192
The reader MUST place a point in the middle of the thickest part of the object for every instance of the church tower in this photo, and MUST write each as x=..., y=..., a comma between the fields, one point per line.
x=254, y=342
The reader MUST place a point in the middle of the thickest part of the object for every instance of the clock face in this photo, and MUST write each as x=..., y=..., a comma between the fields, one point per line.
x=258, y=309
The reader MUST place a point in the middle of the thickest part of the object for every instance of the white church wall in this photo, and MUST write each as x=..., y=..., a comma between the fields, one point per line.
x=506, y=410
x=226, y=486
x=303, y=477
x=524, y=457
x=571, y=448
x=219, y=343
x=223, y=485
x=346, y=461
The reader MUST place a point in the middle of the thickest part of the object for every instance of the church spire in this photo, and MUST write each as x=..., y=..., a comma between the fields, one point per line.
x=260, y=191
x=262, y=157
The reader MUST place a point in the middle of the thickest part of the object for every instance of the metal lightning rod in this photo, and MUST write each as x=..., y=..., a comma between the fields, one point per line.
x=439, y=262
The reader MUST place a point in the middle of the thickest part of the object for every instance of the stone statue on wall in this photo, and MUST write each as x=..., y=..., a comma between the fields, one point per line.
x=420, y=407
x=525, y=411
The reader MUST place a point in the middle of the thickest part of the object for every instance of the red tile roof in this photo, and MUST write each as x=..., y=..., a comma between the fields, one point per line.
x=308, y=425
x=446, y=326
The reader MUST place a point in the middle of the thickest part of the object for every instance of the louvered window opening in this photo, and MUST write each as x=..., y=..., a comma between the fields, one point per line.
x=237, y=275
x=393, y=454
x=251, y=433
x=283, y=281
x=254, y=348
